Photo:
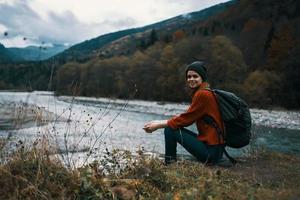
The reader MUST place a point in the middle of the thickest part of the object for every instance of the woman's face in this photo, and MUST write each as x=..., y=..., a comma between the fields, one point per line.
x=193, y=79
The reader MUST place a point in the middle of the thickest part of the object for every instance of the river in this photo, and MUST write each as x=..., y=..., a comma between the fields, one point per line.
x=79, y=124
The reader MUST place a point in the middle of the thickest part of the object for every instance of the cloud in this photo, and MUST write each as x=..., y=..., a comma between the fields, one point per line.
x=196, y=4
x=15, y=17
x=20, y=20
x=121, y=22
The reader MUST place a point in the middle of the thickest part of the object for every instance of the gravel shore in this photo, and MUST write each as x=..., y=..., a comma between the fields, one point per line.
x=17, y=116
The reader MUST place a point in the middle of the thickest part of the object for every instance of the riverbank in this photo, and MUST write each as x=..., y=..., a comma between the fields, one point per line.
x=36, y=174
x=102, y=122
x=14, y=116
x=262, y=175
x=268, y=118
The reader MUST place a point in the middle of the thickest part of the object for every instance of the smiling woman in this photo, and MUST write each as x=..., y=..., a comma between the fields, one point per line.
x=206, y=145
x=193, y=79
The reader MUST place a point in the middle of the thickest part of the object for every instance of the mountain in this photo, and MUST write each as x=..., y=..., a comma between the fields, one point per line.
x=251, y=48
x=5, y=55
x=87, y=49
x=35, y=53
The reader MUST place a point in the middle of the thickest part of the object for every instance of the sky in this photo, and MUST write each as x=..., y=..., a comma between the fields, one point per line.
x=47, y=22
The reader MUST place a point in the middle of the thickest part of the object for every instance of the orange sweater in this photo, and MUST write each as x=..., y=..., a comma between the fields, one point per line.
x=203, y=103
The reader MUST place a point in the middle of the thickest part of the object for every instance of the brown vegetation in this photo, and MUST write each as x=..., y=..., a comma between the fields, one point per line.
x=34, y=174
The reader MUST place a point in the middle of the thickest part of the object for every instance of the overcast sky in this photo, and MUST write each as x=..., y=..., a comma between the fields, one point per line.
x=73, y=21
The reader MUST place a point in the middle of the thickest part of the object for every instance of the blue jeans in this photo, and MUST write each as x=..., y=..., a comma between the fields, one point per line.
x=188, y=139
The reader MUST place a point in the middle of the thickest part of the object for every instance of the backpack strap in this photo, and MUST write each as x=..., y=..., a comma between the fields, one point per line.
x=211, y=121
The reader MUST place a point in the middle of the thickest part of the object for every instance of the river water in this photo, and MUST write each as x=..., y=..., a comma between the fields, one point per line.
x=84, y=124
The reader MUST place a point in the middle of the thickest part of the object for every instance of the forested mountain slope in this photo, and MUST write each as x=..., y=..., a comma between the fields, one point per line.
x=251, y=47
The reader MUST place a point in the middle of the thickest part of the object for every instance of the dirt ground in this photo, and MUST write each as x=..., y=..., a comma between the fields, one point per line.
x=268, y=168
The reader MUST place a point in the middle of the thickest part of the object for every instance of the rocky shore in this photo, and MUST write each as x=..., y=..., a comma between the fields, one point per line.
x=269, y=118
x=17, y=116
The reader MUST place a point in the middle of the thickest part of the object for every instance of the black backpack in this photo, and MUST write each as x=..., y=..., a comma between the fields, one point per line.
x=236, y=117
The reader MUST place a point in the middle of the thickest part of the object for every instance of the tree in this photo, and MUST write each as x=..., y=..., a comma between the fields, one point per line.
x=153, y=37
x=178, y=35
x=191, y=48
x=68, y=79
x=254, y=37
x=167, y=55
x=290, y=91
x=227, y=66
x=261, y=88
x=142, y=43
x=205, y=31
x=281, y=45
x=166, y=38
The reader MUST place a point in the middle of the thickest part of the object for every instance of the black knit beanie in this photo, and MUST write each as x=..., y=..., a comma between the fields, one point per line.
x=197, y=66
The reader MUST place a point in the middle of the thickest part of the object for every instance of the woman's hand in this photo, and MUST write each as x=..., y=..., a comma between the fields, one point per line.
x=150, y=126
x=154, y=125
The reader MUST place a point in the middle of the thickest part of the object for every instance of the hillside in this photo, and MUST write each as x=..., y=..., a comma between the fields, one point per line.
x=87, y=49
x=252, y=43
x=33, y=53
x=251, y=47
x=30, y=53
x=5, y=55
x=251, y=25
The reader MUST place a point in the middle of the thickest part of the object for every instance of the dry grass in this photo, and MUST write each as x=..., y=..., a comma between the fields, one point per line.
x=33, y=174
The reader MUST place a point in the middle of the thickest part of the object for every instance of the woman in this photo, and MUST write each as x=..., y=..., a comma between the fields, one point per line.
x=206, y=145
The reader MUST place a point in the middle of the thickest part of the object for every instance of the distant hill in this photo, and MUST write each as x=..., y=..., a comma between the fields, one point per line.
x=5, y=55
x=35, y=53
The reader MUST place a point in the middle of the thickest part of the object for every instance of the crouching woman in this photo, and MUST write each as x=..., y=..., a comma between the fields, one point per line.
x=206, y=145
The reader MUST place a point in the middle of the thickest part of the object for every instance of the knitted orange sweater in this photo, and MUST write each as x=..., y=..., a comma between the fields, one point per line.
x=203, y=103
